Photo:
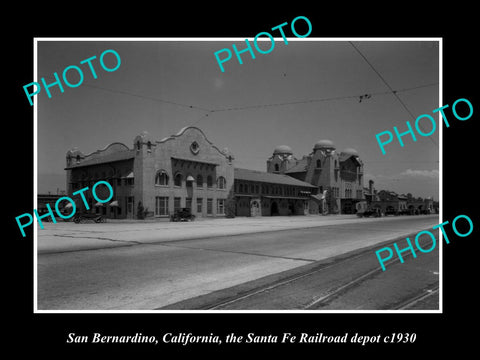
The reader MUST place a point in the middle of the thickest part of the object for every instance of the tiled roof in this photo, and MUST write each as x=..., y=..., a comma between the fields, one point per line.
x=260, y=176
x=301, y=166
x=116, y=156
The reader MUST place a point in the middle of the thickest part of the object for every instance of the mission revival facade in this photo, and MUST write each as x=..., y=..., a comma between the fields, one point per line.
x=186, y=170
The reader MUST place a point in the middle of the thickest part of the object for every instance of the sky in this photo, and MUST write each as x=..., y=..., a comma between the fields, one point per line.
x=295, y=95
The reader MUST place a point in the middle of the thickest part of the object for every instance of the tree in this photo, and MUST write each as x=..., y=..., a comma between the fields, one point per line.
x=230, y=205
x=140, y=211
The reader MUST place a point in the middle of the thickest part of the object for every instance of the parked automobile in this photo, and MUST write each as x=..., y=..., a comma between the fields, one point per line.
x=364, y=210
x=391, y=211
x=370, y=212
x=84, y=217
x=183, y=214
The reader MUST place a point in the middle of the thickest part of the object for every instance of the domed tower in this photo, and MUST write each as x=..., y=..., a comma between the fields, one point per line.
x=322, y=159
x=351, y=173
x=325, y=146
x=281, y=159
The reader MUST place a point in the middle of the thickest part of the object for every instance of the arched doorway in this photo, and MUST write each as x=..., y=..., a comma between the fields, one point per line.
x=291, y=208
x=411, y=209
x=255, y=208
x=274, y=208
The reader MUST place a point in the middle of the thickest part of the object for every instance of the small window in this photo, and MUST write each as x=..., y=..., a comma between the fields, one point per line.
x=209, y=181
x=221, y=182
x=199, y=181
x=209, y=206
x=161, y=206
x=178, y=180
x=220, y=206
x=240, y=188
x=161, y=178
x=277, y=168
x=176, y=204
x=319, y=164
x=199, y=205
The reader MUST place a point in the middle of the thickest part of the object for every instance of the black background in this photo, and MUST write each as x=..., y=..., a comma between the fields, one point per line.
x=45, y=334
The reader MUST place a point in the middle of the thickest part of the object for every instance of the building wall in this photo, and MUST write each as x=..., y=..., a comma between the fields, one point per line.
x=162, y=157
x=270, y=198
x=114, y=173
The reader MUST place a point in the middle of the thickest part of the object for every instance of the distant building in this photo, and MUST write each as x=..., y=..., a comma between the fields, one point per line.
x=44, y=199
x=391, y=203
x=337, y=175
x=370, y=193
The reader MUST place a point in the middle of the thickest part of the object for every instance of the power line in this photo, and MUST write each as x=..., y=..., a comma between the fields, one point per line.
x=150, y=98
x=388, y=86
x=360, y=97
x=246, y=107
x=258, y=106
x=122, y=92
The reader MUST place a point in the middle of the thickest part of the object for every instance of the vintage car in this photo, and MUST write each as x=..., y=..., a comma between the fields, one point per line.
x=183, y=214
x=364, y=210
x=81, y=218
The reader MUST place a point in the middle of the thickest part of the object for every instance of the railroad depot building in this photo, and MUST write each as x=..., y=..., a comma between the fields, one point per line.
x=337, y=175
x=182, y=170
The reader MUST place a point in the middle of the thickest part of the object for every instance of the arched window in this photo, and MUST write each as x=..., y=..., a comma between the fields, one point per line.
x=209, y=181
x=199, y=181
x=277, y=168
x=161, y=178
x=221, y=182
x=178, y=180
x=319, y=163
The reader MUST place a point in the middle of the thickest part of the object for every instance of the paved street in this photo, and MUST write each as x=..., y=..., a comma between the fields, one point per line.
x=149, y=265
x=352, y=281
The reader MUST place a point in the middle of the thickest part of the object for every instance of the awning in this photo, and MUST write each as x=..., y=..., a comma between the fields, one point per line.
x=69, y=205
x=99, y=204
x=190, y=178
x=114, y=203
x=129, y=176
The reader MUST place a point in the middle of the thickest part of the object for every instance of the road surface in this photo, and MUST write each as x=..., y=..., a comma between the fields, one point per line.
x=102, y=268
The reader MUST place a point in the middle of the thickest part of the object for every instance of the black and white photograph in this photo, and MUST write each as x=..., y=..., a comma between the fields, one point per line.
x=225, y=181
x=179, y=186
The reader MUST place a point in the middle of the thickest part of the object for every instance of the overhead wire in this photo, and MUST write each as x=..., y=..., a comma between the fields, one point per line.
x=388, y=86
x=258, y=106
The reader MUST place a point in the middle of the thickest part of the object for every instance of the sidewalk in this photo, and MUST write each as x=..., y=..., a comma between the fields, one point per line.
x=68, y=236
